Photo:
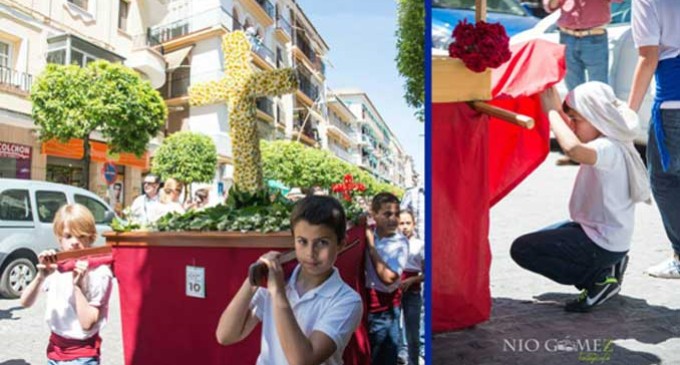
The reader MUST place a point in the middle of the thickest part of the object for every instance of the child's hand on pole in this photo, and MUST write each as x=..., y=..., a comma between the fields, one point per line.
x=79, y=272
x=275, y=280
x=47, y=262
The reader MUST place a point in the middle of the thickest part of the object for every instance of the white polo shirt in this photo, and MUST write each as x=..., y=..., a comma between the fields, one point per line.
x=60, y=313
x=394, y=251
x=333, y=308
x=657, y=23
x=416, y=255
x=601, y=200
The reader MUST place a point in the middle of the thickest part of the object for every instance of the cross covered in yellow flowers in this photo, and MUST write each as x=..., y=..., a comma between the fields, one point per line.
x=239, y=88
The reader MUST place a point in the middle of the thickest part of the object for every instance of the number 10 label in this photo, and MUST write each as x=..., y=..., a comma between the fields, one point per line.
x=195, y=282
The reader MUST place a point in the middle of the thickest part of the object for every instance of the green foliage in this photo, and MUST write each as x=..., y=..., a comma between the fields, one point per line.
x=71, y=102
x=186, y=156
x=297, y=165
x=274, y=217
x=411, y=52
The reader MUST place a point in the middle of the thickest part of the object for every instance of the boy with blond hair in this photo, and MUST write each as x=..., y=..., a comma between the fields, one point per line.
x=77, y=302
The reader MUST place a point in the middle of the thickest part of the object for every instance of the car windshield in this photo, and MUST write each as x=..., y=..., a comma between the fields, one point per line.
x=492, y=6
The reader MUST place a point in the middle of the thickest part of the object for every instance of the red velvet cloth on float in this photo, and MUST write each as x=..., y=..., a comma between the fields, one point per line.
x=476, y=161
x=162, y=325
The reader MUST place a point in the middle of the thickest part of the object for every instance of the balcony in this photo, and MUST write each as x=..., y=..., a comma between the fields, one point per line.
x=307, y=88
x=262, y=10
x=340, y=152
x=216, y=17
x=175, y=87
x=15, y=81
x=265, y=106
x=147, y=58
x=309, y=135
x=283, y=30
x=265, y=56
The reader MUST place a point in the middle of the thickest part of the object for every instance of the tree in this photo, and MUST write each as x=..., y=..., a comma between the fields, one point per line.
x=72, y=102
x=186, y=156
x=411, y=52
x=297, y=165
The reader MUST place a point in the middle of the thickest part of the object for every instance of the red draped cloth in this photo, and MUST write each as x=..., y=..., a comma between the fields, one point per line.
x=161, y=325
x=476, y=161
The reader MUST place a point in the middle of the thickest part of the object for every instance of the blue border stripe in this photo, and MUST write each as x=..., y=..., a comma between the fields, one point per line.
x=428, y=181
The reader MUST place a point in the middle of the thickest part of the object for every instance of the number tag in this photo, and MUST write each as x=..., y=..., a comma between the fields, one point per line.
x=195, y=281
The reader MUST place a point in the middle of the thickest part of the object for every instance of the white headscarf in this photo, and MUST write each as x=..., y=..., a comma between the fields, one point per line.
x=596, y=102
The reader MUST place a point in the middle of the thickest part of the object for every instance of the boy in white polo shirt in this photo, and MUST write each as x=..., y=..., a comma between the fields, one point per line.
x=385, y=263
x=310, y=319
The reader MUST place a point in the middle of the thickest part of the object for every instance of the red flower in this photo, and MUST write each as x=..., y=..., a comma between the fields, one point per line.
x=480, y=45
x=346, y=196
x=348, y=179
x=361, y=187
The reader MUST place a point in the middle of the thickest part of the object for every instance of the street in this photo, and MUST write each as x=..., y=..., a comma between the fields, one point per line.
x=640, y=326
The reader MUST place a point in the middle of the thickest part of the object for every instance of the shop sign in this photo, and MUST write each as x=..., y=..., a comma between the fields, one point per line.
x=15, y=151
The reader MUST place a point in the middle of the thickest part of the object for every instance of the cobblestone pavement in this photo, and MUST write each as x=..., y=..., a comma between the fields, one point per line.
x=24, y=333
x=528, y=324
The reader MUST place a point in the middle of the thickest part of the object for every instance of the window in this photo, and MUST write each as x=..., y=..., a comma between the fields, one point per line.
x=4, y=54
x=98, y=209
x=77, y=58
x=15, y=205
x=49, y=203
x=80, y=3
x=123, y=9
x=279, y=58
x=58, y=57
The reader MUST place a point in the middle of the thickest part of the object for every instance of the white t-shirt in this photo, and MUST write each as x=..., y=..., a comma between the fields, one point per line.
x=332, y=308
x=147, y=210
x=657, y=23
x=416, y=255
x=60, y=313
x=394, y=251
x=601, y=200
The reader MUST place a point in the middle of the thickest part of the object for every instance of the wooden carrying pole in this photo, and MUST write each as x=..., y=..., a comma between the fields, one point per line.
x=480, y=10
x=508, y=116
x=76, y=254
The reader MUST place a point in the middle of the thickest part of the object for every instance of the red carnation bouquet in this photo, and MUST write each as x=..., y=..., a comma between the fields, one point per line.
x=480, y=46
x=346, y=190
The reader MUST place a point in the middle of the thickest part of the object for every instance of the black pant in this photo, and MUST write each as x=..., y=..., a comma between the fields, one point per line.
x=566, y=255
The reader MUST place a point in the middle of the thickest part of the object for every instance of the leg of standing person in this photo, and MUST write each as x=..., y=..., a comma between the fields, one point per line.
x=383, y=336
x=411, y=304
x=666, y=189
x=576, y=72
x=595, y=57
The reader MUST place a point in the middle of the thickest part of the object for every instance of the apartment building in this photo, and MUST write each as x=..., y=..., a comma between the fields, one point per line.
x=33, y=33
x=377, y=148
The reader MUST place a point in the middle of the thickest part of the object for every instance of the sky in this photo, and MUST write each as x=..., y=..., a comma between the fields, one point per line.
x=362, y=41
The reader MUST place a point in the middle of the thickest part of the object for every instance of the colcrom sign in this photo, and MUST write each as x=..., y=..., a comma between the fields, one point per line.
x=16, y=151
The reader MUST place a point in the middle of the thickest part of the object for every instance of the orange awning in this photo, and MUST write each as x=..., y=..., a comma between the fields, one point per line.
x=99, y=152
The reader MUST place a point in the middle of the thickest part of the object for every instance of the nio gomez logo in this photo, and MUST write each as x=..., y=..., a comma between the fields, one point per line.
x=597, y=345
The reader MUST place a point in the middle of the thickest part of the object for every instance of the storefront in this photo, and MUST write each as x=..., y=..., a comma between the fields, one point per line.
x=65, y=166
x=15, y=161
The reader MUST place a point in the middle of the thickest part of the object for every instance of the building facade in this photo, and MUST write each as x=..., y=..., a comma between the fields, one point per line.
x=33, y=34
x=377, y=150
x=175, y=44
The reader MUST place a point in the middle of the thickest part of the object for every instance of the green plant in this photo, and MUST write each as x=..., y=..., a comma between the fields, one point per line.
x=411, y=52
x=186, y=156
x=273, y=217
x=295, y=164
x=72, y=102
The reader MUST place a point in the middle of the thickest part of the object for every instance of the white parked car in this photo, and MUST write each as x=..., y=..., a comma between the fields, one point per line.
x=622, y=57
x=27, y=209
